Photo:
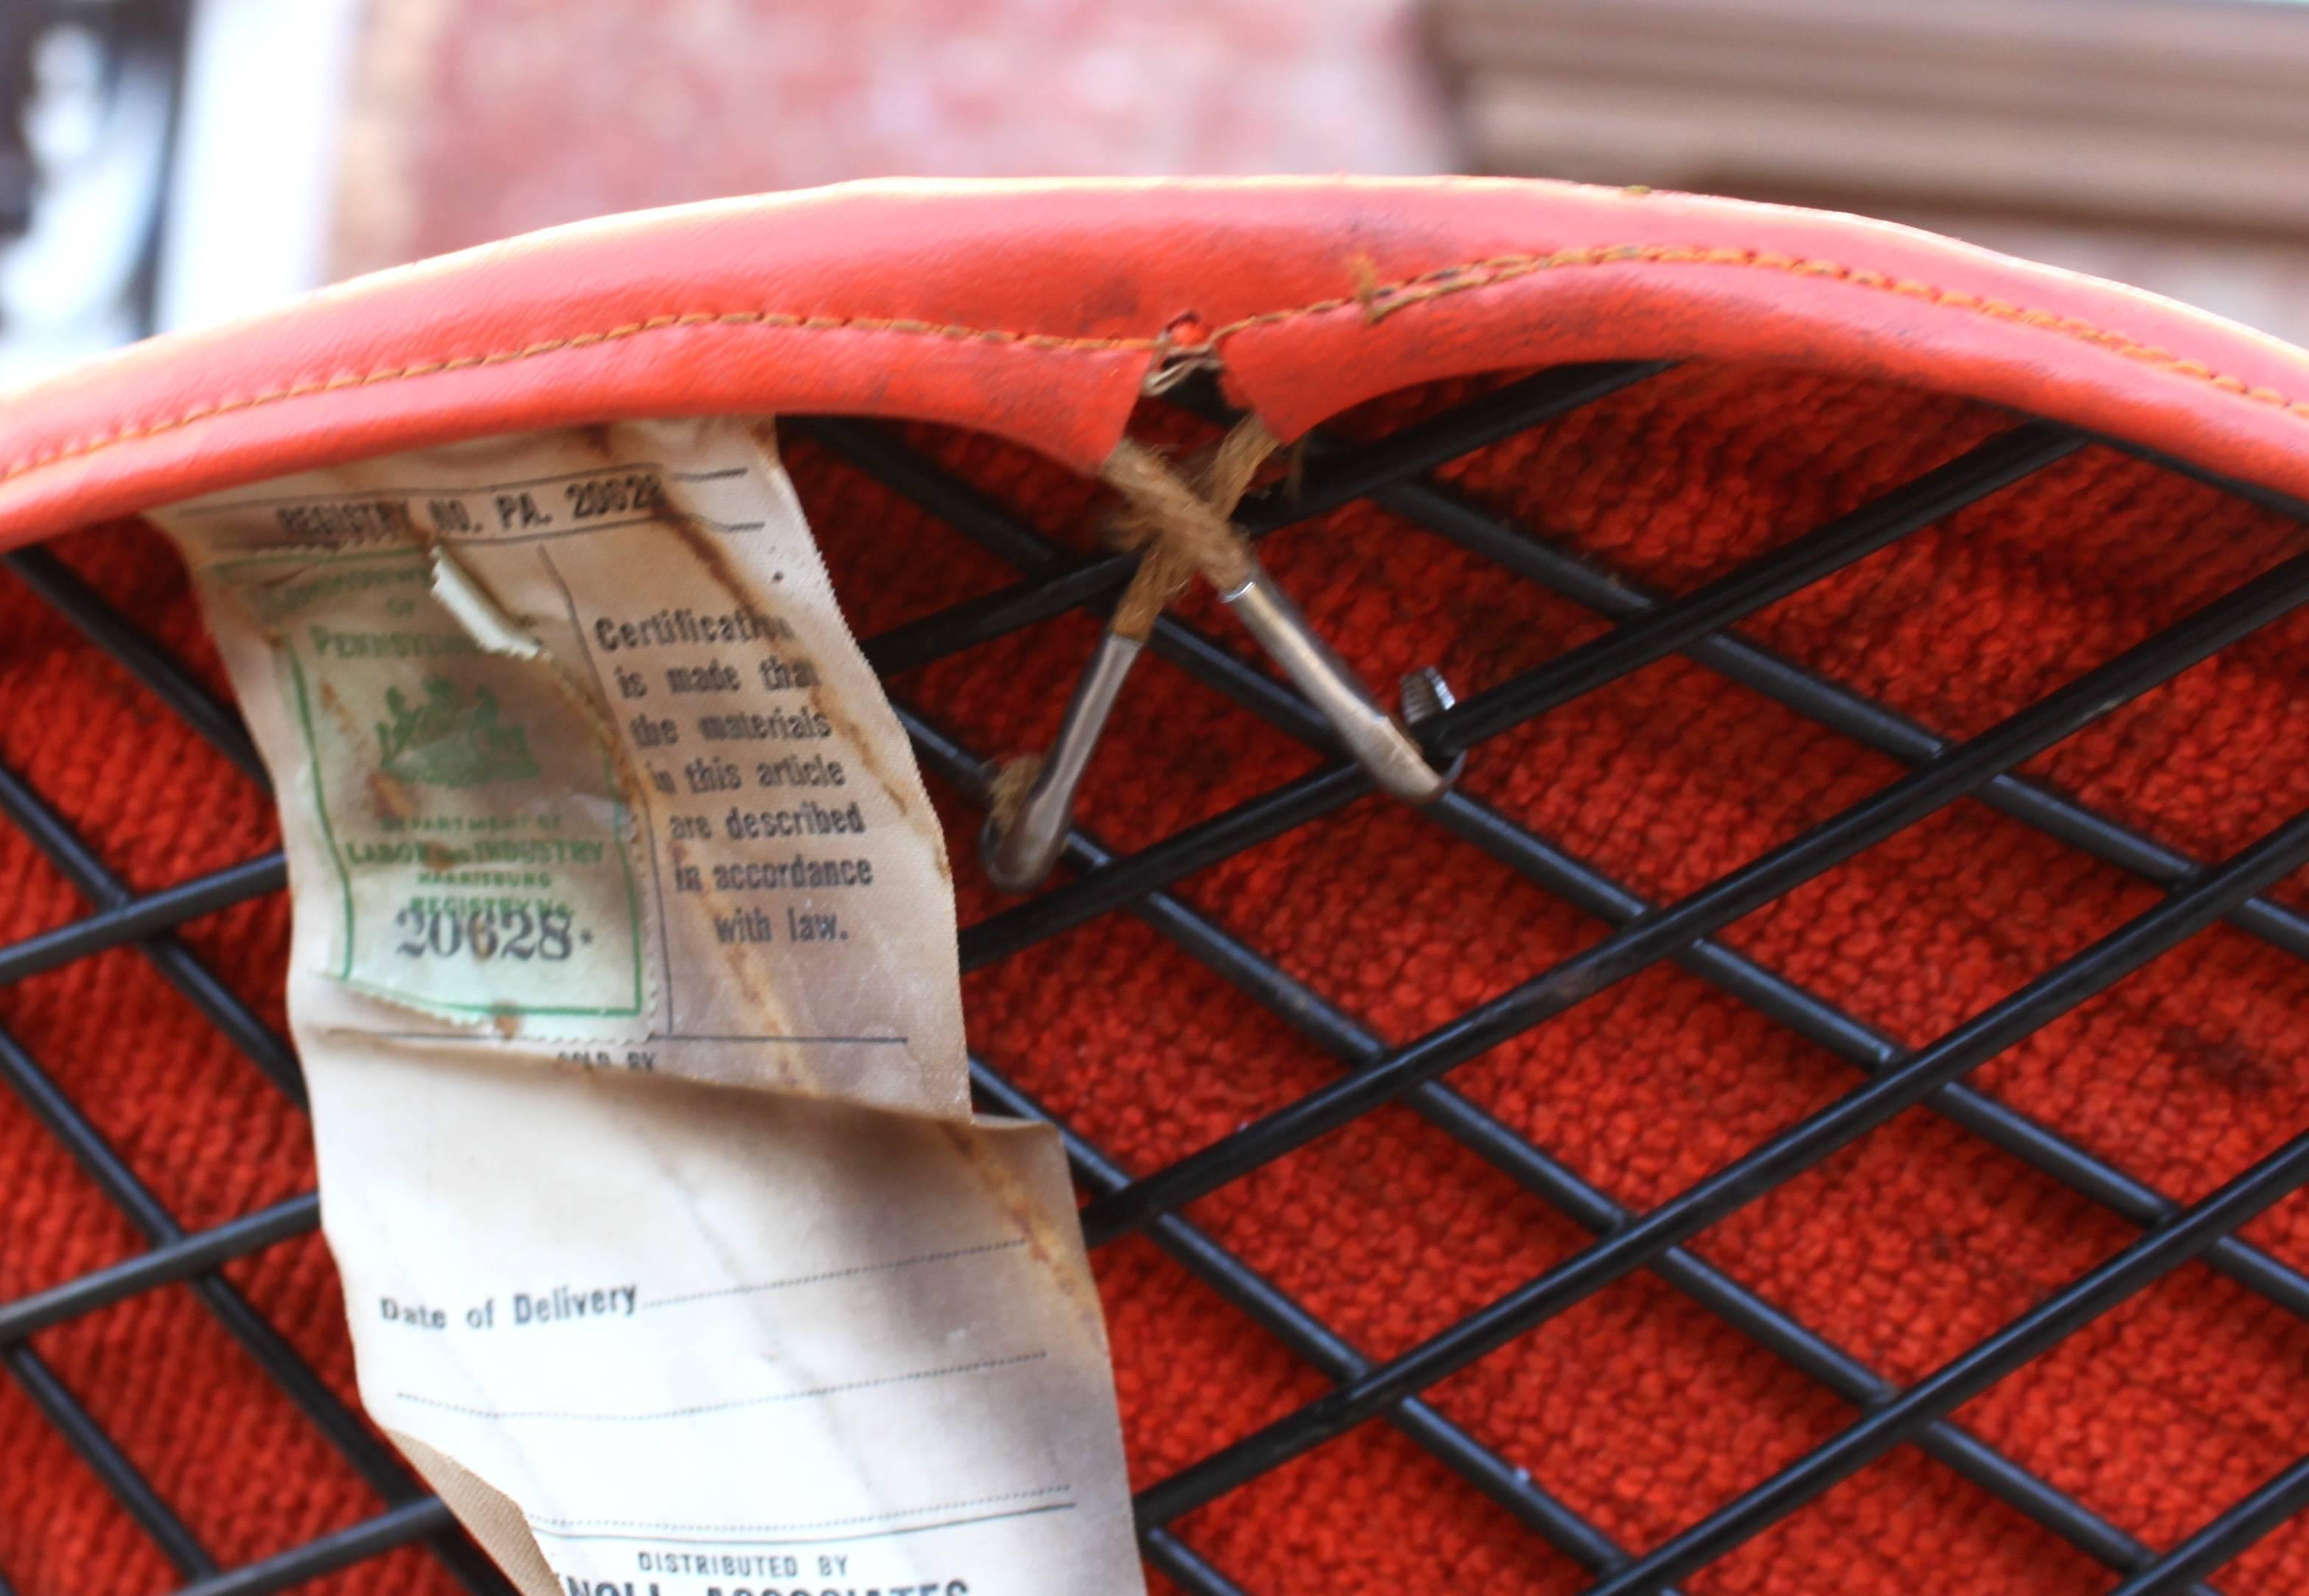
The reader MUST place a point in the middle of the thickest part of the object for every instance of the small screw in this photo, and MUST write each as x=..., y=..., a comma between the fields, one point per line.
x=1425, y=695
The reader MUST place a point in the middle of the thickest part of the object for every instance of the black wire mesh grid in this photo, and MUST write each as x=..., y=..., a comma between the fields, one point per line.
x=1394, y=472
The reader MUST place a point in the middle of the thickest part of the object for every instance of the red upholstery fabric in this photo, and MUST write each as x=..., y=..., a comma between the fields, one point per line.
x=1031, y=311
x=1639, y=1408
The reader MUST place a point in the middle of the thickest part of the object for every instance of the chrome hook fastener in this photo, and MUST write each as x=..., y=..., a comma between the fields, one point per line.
x=1374, y=739
x=1021, y=845
x=1021, y=855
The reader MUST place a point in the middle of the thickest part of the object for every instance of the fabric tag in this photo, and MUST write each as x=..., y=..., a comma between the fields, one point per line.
x=624, y=975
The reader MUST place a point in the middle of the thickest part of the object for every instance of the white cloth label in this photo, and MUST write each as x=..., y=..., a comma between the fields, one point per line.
x=624, y=976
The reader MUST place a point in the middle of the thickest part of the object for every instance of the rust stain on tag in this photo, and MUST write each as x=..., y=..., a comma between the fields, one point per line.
x=625, y=981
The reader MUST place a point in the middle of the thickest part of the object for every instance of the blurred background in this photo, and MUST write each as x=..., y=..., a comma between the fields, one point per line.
x=167, y=163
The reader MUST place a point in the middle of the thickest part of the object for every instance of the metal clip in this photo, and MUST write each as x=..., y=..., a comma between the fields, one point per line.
x=1019, y=858
x=1375, y=739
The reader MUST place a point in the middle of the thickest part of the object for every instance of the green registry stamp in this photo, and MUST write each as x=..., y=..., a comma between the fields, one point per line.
x=469, y=804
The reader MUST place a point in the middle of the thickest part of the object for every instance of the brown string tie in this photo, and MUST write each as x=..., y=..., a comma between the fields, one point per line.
x=1180, y=526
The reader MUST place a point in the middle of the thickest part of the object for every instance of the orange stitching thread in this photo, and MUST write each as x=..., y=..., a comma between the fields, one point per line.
x=1375, y=303
x=760, y=318
x=1478, y=275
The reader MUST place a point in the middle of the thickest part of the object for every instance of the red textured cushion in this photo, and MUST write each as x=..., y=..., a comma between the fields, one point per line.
x=1640, y=1410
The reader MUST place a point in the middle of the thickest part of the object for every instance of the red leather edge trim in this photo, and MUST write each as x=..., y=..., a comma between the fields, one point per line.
x=1034, y=310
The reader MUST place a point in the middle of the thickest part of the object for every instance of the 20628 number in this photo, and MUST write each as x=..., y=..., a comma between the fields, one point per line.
x=512, y=931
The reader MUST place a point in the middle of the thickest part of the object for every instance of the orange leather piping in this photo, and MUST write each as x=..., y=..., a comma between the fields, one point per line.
x=1035, y=311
